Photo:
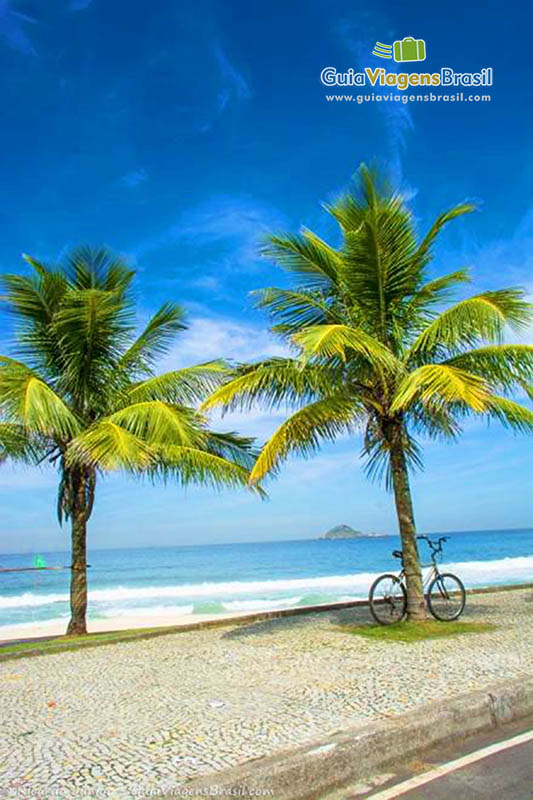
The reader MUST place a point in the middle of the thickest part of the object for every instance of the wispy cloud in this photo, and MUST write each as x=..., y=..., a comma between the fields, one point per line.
x=12, y=30
x=236, y=223
x=235, y=81
x=398, y=119
x=233, y=88
x=133, y=179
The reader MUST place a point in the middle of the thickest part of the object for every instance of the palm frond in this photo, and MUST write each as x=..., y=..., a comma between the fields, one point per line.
x=441, y=384
x=108, y=446
x=190, y=465
x=471, y=321
x=305, y=255
x=238, y=449
x=303, y=432
x=18, y=444
x=423, y=251
x=186, y=386
x=157, y=423
x=97, y=268
x=293, y=310
x=511, y=414
x=25, y=399
x=274, y=382
x=92, y=327
x=155, y=339
x=378, y=262
x=505, y=367
x=330, y=341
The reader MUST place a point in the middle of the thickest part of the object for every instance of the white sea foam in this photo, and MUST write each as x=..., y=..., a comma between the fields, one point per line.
x=146, y=611
x=260, y=605
x=473, y=573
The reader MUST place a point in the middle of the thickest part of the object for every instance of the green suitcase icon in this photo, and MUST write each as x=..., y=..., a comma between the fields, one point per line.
x=409, y=49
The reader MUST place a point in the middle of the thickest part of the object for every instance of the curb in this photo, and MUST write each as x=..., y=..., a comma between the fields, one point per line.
x=312, y=771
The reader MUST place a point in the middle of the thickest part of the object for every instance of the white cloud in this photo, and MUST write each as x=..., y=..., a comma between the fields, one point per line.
x=235, y=222
x=208, y=339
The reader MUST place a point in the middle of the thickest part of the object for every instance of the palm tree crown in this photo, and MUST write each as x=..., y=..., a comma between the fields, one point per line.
x=377, y=348
x=85, y=395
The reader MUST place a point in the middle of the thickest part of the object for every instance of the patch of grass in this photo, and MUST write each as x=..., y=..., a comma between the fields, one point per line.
x=417, y=631
x=64, y=643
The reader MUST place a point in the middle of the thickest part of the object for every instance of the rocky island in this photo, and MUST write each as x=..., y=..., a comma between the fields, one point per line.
x=345, y=532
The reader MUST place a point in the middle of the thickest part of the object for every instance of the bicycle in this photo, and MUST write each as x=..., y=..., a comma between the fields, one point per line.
x=446, y=595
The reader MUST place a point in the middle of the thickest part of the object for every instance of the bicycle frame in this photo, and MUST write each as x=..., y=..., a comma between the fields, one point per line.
x=433, y=568
x=433, y=572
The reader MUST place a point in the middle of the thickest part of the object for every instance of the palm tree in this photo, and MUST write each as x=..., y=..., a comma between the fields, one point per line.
x=377, y=349
x=86, y=397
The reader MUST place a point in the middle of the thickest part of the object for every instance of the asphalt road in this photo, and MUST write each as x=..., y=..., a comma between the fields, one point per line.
x=496, y=766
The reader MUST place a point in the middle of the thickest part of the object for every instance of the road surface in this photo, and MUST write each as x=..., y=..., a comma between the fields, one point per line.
x=496, y=766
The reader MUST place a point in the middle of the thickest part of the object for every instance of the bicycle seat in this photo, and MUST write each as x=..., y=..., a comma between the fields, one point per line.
x=397, y=554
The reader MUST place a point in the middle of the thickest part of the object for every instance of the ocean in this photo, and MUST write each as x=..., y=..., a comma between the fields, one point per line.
x=167, y=581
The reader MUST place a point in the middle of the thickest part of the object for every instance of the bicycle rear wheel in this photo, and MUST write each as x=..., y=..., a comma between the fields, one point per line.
x=388, y=599
x=446, y=597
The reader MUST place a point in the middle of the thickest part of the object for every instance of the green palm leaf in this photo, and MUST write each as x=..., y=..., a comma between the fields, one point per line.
x=303, y=432
x=27, y=400
x=18, y=444
x=154, y=340
x=511, y=414
x=189, y=385
x=424, y=249
x=441, y=384
x=157, y=423
x=294, y=310
x=505, y=367
x=465, y=324
x=306, y=256
x=335, y=341
x=274, y=382
x=191, y=465
x=108, y=447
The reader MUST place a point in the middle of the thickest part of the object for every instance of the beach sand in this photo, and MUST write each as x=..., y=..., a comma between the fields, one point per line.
x=30, y=630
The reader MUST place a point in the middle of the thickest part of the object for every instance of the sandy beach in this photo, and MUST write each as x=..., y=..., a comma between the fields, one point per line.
x=30, y=630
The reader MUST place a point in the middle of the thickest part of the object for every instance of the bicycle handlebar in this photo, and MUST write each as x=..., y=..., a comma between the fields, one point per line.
x=436, y=546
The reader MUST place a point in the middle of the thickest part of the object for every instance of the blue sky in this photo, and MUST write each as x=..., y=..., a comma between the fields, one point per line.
x=177, y=133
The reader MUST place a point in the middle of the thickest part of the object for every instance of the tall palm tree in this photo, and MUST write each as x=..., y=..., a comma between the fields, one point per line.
x=86, y=397
x=377, y=349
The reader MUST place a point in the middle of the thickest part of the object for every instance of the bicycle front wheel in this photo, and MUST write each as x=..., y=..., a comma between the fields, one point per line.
x=388, y=600
x=446, y=597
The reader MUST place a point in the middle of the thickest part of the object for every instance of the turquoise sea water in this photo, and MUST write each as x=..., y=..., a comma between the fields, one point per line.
x=166, y=581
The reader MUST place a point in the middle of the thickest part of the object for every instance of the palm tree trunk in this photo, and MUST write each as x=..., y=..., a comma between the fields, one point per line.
x=416, y=607
x=83, y=484
x=78, y=576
